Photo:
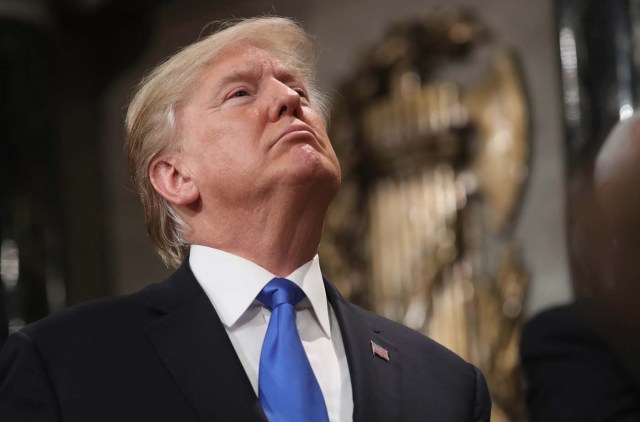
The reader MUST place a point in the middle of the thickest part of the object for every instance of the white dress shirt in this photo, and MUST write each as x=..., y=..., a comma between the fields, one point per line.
x=232, y=284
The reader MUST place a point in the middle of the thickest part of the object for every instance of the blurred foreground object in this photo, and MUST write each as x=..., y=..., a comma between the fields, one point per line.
x=582, y=361
x=434, y=163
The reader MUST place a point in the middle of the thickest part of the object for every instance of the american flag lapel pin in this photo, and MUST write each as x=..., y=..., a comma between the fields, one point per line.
x=379, y=351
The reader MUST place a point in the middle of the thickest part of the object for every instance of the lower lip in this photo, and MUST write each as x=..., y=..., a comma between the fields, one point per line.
x=297, y=135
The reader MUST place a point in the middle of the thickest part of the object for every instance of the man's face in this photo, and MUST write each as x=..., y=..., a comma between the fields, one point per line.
x=249, y=130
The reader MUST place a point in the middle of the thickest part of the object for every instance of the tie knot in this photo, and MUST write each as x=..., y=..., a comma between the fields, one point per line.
x=279, y=291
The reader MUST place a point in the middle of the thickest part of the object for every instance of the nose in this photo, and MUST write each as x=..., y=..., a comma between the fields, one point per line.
x=284, y=101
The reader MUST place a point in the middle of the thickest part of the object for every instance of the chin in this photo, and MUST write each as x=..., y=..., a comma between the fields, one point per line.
x=304, y=165
x=314, y=178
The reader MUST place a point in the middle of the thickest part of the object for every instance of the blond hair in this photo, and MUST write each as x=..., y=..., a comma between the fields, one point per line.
x=151, y=122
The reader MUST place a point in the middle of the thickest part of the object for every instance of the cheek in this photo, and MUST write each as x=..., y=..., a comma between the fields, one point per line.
x=236, y=129
x=206, y=138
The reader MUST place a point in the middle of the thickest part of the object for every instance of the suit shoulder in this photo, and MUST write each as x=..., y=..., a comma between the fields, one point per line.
x=411, y=340
x=456, y=387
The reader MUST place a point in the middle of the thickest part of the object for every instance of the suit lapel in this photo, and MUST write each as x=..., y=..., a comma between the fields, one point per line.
x=375, y=382
x=194, y=346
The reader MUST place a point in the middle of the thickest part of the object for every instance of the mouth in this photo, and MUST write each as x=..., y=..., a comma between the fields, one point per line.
x=296, y=132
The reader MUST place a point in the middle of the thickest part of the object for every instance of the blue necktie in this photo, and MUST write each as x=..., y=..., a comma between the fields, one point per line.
x=288, y=390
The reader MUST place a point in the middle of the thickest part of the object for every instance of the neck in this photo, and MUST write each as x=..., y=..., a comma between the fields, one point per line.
x=279, y=235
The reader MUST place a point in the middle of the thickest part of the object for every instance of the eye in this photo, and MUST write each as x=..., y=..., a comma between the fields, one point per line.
x=304, y=95
x=240, y=92
x=301, y=92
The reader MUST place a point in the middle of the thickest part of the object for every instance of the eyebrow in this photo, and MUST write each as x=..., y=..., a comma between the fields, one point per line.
x=237, y=75
x=282, y=73
x=287, y=74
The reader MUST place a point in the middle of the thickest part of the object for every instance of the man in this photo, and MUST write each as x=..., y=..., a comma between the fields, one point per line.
x=229, y=151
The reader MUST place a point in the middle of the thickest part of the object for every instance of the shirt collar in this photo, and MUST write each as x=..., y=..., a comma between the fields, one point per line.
x=232, y=283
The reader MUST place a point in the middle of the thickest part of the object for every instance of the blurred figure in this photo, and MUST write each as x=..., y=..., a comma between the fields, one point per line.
x=582, y=361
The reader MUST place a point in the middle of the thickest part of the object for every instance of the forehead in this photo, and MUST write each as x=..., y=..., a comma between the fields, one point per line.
x=244, y=60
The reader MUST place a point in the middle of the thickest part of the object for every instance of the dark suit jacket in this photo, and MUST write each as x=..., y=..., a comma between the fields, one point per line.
x=162, y=354
x=574, y=372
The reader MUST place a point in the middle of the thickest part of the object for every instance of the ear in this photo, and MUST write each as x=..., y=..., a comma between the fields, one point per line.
x=172, y=182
